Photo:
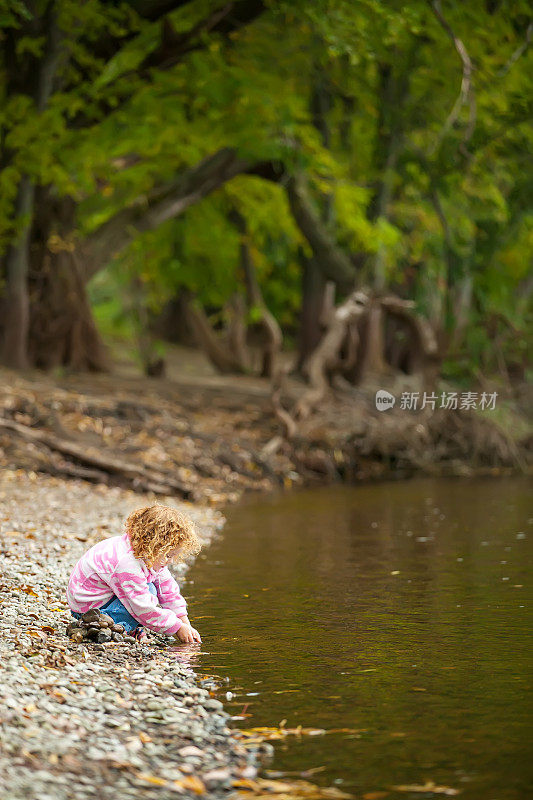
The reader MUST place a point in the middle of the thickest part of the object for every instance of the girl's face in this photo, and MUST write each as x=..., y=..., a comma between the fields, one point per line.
x=172, y=555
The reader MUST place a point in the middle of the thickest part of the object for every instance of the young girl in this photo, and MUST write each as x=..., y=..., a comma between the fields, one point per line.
x=128, y=578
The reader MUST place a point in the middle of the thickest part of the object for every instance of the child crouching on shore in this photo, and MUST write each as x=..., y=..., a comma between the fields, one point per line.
x=127, y=576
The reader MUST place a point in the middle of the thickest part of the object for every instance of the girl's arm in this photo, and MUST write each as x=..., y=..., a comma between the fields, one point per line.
x=130, y=586
x=169, y=595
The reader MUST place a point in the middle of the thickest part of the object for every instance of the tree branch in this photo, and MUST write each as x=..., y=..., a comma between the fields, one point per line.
x=333, y=263
x=518, y=53
x=172, y=46
x=223, y=21
x=164, y=203
x=466, y=92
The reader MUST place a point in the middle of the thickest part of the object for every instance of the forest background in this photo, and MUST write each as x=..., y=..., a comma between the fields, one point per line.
x=325, y=195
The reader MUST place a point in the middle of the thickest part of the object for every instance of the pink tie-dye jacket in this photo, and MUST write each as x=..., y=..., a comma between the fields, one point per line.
x=110, y=568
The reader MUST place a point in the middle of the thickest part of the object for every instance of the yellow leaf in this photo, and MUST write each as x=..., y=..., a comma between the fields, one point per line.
x=193, y=783
x=245, y=783
x=152, y=779
x=429, y=786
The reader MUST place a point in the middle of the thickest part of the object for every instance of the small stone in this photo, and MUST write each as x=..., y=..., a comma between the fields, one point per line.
x=91, y=616
x=155, y=705
x=216, y=778
x=117, y=628
x=77, y=636
x=106, y=621
x=190, y=750
x=130, y=639
x=71, y=627
x=117, y=637
x=249, y=772
x=103, y=636
x=212, y=704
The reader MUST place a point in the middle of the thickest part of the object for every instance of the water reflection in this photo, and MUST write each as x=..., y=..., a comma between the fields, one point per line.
x=396, y=611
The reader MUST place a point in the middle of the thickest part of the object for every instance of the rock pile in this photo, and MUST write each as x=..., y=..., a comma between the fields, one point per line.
x=95, y=626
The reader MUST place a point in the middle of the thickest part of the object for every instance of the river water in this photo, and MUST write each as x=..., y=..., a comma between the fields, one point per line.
x=395, y=612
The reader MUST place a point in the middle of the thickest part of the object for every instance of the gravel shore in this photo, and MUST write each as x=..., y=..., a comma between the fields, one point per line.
x=92, y=720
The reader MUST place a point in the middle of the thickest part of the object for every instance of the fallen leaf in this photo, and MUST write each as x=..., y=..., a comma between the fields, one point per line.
x=144, y=776
x=245, y=783
x=193, y=783
x=347, y=730
x=429, y=786
x=283, y=790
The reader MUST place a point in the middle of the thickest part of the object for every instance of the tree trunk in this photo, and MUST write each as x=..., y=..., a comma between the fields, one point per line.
x=16, y=300
x=371, y=361
x=153, y=364
x=313, y=281
x=333, y=262
x=171, y=325
x=310, y=333
x=62, y=329
x=270, y=335
x=425, y=352
x=325, y=358
x=216, y=350
x=34, y=78
x=236, y=332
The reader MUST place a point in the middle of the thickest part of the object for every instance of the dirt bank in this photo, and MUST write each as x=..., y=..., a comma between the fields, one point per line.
x=209, y=439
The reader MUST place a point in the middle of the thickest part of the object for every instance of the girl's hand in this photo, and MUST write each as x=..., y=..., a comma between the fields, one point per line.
x=185, y=634
x=196, y=635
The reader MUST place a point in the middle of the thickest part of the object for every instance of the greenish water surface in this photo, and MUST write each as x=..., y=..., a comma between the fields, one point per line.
x=397, y=611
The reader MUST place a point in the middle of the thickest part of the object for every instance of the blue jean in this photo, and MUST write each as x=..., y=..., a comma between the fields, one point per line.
x=119, y=613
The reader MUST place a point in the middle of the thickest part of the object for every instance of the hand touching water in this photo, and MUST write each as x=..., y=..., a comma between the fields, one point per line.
x=188, y=634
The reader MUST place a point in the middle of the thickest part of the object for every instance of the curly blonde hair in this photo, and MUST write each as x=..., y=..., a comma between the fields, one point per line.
x=156, y=530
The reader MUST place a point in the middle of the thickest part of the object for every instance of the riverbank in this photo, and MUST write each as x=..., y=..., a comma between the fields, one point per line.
x=86, y=720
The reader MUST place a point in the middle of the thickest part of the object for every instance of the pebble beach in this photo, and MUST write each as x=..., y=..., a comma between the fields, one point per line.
x=82, y=720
